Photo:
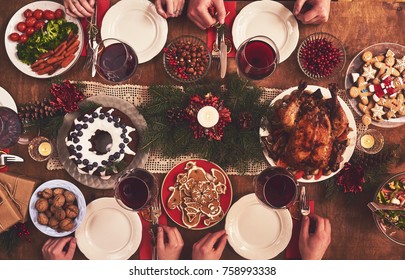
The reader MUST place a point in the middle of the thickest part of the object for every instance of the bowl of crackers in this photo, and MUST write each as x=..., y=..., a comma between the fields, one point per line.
x=57, y=207
x=375, y=84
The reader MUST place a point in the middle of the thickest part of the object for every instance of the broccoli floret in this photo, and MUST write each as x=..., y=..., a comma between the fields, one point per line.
x=52, y=29
x=66, y=28
x=27, y=54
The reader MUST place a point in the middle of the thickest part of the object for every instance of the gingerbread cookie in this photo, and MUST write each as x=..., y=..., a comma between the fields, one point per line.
x=379, y=87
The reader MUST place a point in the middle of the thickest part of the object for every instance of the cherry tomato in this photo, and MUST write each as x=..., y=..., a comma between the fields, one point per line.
x=48, y=14
x=30, y=22
x=39, y=25
x=28, y=13
x=38, y=14
x=21, y=26
x=14, y=37
x=23, y=38
x=59, y=13
x=30, y=31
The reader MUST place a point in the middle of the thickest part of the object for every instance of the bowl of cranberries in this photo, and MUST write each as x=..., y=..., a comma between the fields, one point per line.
x=321, y=55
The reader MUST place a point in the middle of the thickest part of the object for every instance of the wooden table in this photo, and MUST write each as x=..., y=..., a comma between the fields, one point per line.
x=358, y=23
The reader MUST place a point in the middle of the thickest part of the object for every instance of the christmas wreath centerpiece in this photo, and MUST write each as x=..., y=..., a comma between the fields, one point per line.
x=176, y=126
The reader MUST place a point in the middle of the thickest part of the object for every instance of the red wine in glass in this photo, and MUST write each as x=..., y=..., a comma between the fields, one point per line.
x=116, y=60
x=134, y=192
x=257, y=58
x=276, y=187
x=136, y=189
x=10, y=127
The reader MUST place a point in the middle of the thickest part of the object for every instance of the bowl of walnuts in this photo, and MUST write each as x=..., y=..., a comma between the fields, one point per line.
x=187, y=59
x=57, y=207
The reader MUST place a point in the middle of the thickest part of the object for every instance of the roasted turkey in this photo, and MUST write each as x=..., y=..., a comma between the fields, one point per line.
x=308, y=133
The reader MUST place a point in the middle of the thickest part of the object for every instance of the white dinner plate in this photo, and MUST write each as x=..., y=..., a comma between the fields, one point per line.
x=257, y=231
x=108, y=231
x=11, y=47
x=352, y=135
x=268, y=18
x=139, y=25
x=6, y=100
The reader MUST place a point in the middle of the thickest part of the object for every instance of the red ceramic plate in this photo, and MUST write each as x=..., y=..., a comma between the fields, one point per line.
x=175, y=214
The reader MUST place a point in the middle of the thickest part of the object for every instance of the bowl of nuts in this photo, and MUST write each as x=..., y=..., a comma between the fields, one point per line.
x=187, y=59
x=321, y=55
x=57, y=207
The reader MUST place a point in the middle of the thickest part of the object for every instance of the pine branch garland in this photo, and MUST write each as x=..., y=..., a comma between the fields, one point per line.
x=236, y=148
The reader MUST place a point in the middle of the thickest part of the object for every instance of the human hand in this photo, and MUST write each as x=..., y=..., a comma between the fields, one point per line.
x=199, y=12
x=169, y=243
x=312, y=246
x=210, y=247
x=318, y=13
x=53, y=249
x=169, y=8
x=79, y=8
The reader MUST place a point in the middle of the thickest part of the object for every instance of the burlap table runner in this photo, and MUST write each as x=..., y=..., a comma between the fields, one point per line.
x=157, y=163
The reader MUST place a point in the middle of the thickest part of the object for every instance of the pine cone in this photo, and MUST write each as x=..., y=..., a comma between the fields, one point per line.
x=37, y=110
x=245, y=120
x=175, y=116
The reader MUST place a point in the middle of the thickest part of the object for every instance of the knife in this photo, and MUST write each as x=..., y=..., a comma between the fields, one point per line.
x=223, y=50
x=94, y=40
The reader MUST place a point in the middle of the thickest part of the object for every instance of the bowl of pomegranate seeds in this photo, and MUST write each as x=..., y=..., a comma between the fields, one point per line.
x=187, y=59
x=321, y=55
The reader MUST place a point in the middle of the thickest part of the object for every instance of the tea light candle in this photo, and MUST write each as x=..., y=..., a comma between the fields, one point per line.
x=45, y=149
x=208, y=116
x=367, y=141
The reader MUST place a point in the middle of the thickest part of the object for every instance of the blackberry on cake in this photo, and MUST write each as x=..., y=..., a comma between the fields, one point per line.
x=102, y=142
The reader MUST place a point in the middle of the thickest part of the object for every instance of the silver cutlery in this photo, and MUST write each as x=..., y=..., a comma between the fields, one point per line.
x=304, y=202
x=6, y=159
x=215, y=48
x=155, y=212
x=223, y=55
x=92, y=42
x=374, y=206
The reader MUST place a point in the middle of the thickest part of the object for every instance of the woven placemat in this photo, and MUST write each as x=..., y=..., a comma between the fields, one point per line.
x=157, y=163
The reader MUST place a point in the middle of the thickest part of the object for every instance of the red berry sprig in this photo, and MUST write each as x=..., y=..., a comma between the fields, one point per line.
x=319, y=57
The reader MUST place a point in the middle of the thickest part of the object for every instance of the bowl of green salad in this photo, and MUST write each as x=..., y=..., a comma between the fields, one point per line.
x=392, y=222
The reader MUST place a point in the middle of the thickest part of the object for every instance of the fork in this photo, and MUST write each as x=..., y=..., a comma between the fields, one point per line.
x=304, y=202
x=6, y=159
x=92, y=34
x=155, y=212
x=215, y=48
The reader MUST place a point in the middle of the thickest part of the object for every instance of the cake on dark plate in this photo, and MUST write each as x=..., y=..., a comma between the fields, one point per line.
x=102, y=142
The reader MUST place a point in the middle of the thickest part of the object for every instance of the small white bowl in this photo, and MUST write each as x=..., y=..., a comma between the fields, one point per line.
x=52, y=184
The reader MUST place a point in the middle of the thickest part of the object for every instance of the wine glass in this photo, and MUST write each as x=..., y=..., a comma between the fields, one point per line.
x=10, y=127
x=116, y=61
x=257, y=58
x=136, y=189
x=276, y=187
